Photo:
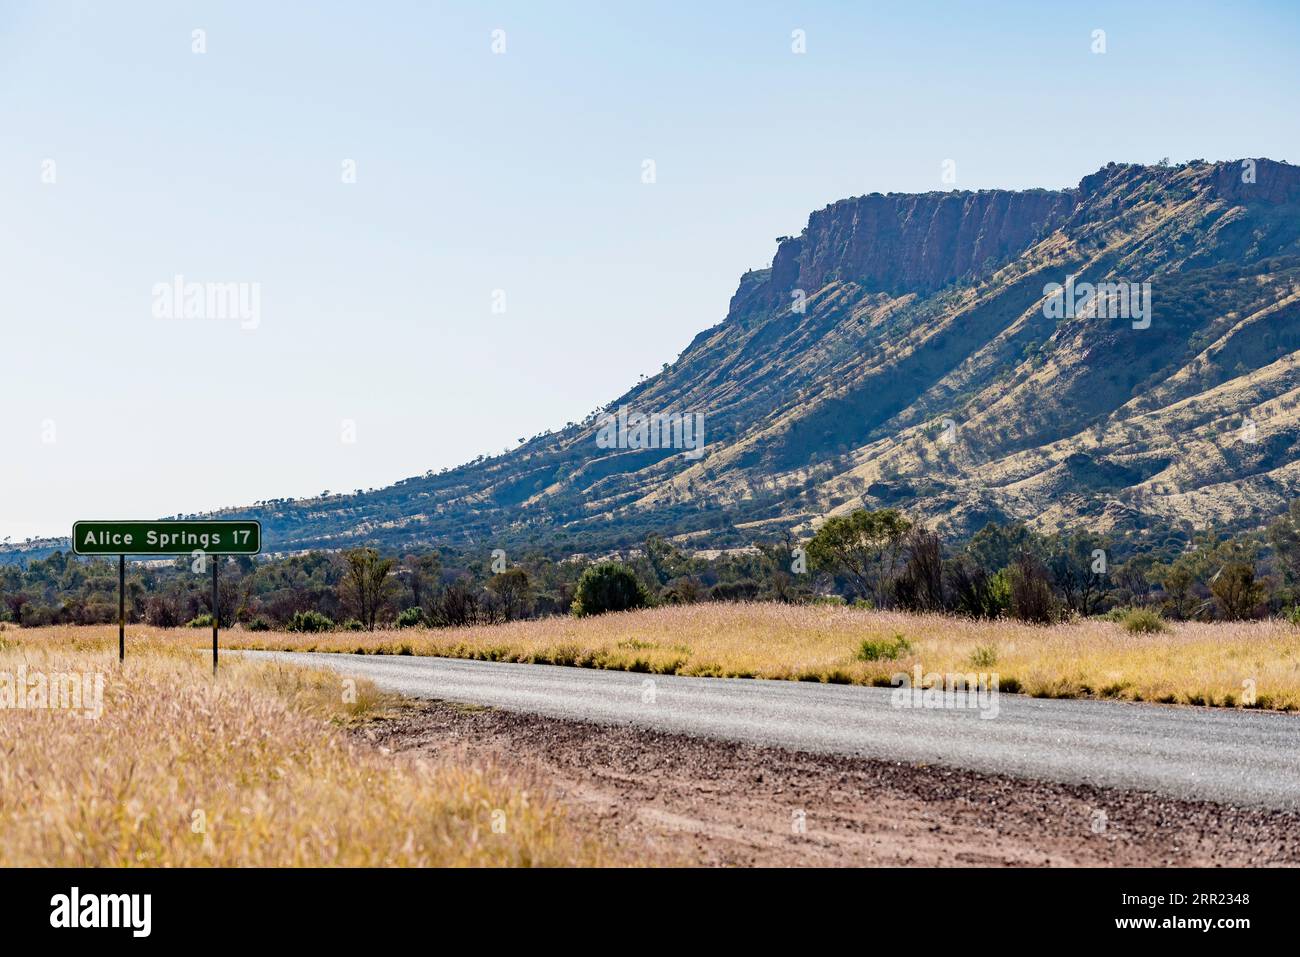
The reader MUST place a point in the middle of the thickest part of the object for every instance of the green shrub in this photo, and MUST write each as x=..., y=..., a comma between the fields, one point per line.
x=1143, y=621
x=410, y=618
x=1292, y=615
x=309, y=622
x=608, y=586
x=200, y=621
x=883, y=649
x=984, y=656
x=258, y=624
x=353, y=625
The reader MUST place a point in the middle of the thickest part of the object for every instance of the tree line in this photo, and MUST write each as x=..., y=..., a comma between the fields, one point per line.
x=873, y=558
x=884, y=559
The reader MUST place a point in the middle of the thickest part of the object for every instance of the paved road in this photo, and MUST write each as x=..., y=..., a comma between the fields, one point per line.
x=1241, y=757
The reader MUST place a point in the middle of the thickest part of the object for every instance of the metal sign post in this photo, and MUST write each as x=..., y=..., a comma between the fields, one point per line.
x=206, y=539
x=216, y=612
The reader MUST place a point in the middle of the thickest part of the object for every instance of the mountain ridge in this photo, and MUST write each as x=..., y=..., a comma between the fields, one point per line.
x=900, y=351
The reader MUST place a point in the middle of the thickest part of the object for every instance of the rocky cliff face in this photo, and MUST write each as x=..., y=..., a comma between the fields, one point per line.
x=904, y=243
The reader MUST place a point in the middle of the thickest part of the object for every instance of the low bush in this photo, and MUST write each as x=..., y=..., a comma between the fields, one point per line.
x=410, y=618
x=1143, y=621
x=882, y=649
x=309, y=622
x=609, y=586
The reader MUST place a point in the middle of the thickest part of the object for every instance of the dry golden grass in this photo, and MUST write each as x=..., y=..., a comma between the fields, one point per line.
x=258, y=757
x=1189, y=663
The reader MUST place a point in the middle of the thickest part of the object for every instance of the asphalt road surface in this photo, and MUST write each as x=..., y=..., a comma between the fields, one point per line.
x=1241, y=757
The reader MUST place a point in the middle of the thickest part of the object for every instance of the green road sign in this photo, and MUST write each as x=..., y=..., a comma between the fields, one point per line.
x=166, y=538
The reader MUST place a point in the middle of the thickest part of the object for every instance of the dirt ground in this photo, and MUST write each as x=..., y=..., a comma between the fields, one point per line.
x=675, y=799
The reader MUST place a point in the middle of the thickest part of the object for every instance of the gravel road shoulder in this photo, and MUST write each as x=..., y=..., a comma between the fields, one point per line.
x=674, y=798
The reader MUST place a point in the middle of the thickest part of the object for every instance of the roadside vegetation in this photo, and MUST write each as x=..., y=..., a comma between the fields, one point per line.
x=255, y=768
x=1244, y=664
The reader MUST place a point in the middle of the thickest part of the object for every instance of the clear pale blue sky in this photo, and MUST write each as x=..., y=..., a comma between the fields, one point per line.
x=477, y=172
